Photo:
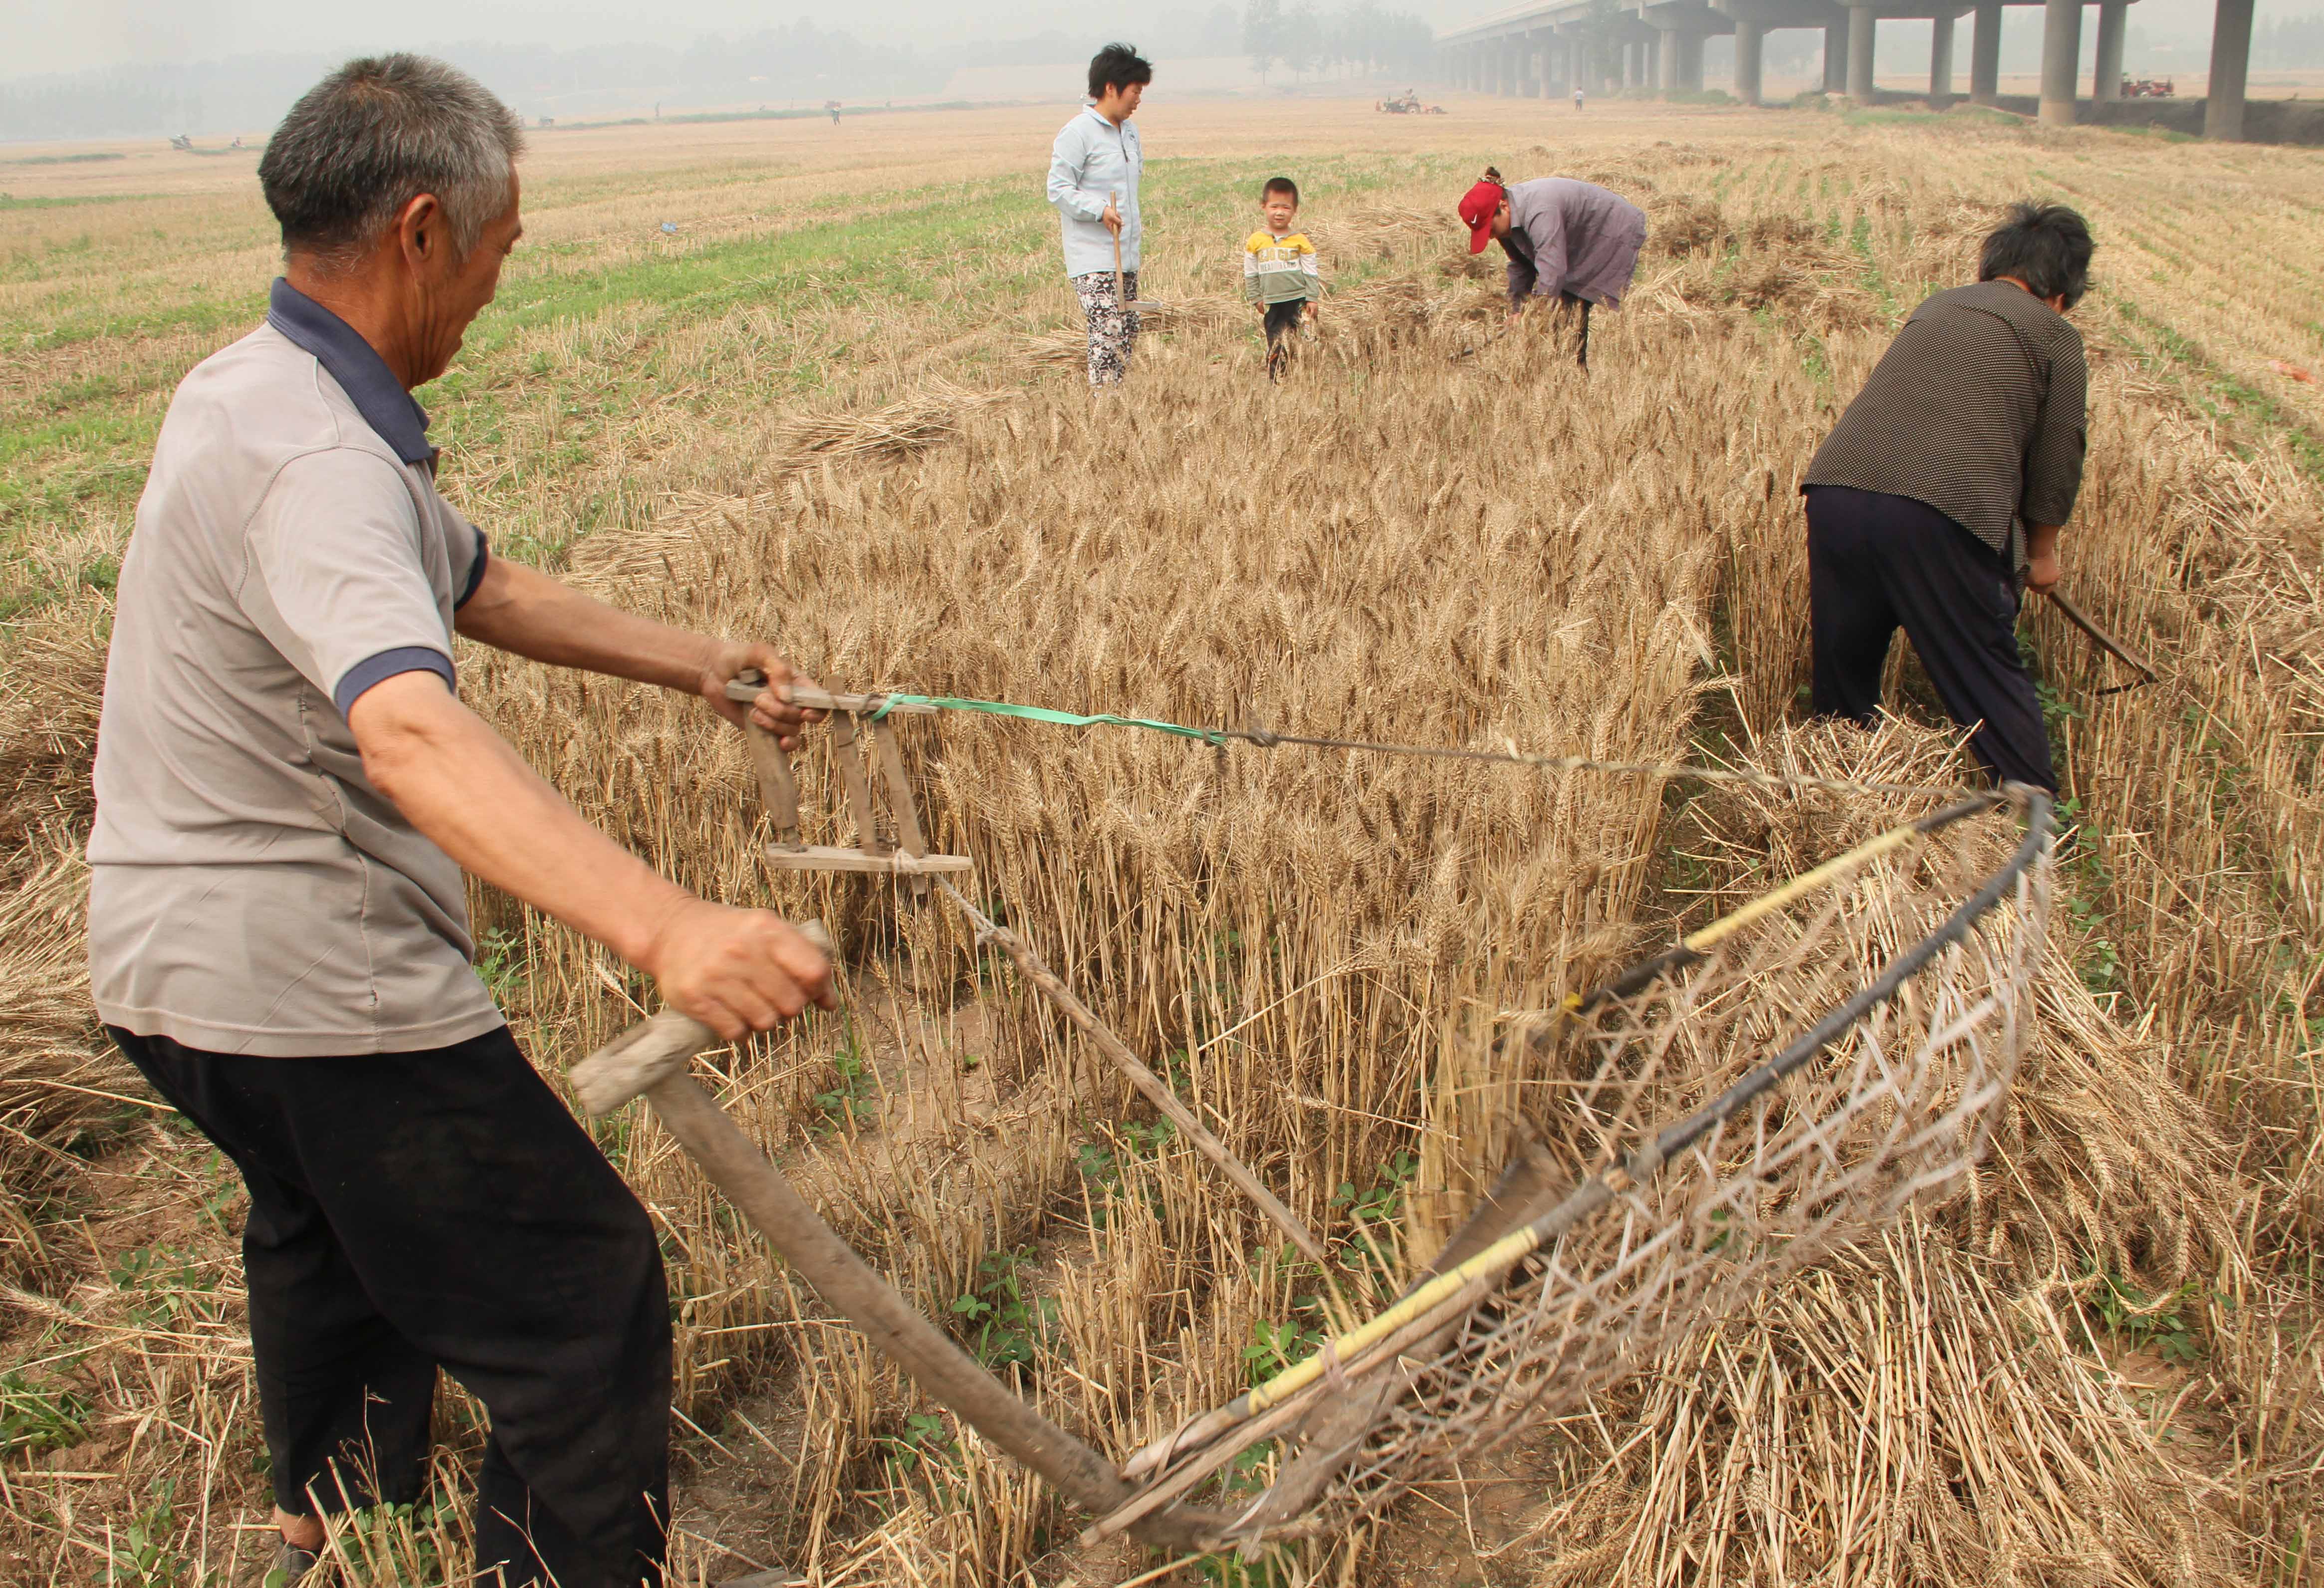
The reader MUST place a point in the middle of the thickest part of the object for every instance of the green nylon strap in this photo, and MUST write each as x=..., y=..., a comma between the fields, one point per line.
x=1042, y=713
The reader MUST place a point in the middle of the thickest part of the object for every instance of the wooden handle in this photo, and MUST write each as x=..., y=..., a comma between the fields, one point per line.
x=868, y=1302
x=1120, y=292
x=655, y=1048
x=778, y=789
x=1031, y=966
x=648, y=1052
x=815, y=698
x=2098, y=636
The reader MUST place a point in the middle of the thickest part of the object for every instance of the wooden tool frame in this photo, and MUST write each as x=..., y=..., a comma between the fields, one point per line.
x=905, y=854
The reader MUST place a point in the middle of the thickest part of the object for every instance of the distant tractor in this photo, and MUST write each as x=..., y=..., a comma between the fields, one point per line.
x=2149, y=88
x=1407, y=104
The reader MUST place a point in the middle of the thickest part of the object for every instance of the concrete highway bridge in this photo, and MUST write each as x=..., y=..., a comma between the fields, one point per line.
x=1550, y=46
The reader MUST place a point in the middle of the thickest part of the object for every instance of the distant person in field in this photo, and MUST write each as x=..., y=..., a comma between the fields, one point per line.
x=1093, y=170
x=1938, y=495
x=1278, y=264
x=291, y=797
x=1568, y=242
x=1577, y=98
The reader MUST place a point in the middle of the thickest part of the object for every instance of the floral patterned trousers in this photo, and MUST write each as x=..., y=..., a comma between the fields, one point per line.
x=1112, y=330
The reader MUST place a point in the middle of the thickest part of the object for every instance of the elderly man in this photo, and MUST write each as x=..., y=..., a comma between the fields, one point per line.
x=1567, y=241
x=1942, y=489
x=287, y=791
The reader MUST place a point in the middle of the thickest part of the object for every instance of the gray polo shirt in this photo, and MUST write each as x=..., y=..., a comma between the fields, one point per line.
x=250, y=891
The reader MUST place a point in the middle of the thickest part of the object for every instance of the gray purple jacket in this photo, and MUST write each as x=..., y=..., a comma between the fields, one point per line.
x=1572, y=237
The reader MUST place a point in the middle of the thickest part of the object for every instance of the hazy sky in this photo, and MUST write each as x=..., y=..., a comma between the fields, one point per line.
x=66, y=35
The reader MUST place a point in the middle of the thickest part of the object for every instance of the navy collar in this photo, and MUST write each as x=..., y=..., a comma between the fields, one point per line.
x=386, y=407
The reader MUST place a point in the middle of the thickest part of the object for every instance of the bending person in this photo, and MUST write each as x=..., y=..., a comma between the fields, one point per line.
x=1942, y=491
x=1570, y=242
x=289, y=789
x=1093, y=170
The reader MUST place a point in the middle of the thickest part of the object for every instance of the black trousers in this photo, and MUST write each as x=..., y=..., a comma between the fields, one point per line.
x=1878, y=562
x=412, y=1211
x=1283, y=319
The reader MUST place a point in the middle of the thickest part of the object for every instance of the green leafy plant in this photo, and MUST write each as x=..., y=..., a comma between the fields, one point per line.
x=34, y=1417
x=2133, y=1319
x=1372, y=1213
x=1277, y=1346
x=144, y=1554
x=851, y=1099
x=167, y=1284
x=1231, y=1571
x=1008, y=1324
x=925, y=1450
x=501, y=963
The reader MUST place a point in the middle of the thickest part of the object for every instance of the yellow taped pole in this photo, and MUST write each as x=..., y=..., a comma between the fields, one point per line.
x=1806, y=882
x=1601, y=1188
x=1698, y=943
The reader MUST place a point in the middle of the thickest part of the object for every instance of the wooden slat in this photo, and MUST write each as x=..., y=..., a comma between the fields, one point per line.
x=823, y=857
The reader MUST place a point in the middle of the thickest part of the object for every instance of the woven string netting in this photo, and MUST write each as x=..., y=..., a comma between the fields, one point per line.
x=1898, y=1107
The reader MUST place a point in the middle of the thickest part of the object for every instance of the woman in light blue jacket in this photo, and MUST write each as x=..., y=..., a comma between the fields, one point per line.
x=1093, y=182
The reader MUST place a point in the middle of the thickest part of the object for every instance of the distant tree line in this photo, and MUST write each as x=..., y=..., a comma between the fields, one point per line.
x=2289, y=41
x=1306, y=41
x=798, y=63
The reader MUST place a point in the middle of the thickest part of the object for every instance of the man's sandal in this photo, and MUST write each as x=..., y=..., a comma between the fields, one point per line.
x=290, y=1566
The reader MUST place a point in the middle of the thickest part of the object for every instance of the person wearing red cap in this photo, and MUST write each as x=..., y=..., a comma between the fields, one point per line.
x=1568, y=240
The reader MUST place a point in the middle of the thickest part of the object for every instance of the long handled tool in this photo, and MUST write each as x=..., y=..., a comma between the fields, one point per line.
x=1475, y=349
x=1121, y=292
x=649, y=1059
x=2105, y=641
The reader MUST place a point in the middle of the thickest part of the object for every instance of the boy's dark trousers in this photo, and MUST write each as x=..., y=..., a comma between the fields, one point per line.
x=412, y=1211
x=1876, y=562
x=1283, y=319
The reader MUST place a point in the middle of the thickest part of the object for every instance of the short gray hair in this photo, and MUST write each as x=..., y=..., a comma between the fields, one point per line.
x=374, y=135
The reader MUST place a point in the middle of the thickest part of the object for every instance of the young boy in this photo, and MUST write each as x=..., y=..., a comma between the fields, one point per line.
x=1278, y=264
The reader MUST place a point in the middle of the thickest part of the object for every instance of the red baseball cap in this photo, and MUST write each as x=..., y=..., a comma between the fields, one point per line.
x=1477, y=207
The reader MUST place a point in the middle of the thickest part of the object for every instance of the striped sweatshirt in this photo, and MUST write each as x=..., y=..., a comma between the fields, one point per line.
x=1280, y=270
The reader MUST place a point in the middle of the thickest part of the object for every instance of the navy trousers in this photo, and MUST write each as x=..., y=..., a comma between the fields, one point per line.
x=412, y=1211
x=1878, y=562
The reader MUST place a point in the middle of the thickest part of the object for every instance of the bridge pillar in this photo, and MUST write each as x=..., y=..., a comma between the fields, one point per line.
x=1941, y=61
x=2061, y=56
x=2223, y=101
x=1835, y=55
x=2106, y=73
x=1750, y=61
x=1985, y=55
x=1665, y=63
x=1687, y=45
x=1861, y=27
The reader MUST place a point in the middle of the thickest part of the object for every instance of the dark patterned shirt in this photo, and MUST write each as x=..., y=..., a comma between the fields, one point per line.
x=1978, y=409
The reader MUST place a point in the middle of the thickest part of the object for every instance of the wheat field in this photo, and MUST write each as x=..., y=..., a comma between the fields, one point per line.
x=842, y=407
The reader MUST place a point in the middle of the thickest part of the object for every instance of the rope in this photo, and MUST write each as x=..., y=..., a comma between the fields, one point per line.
x=1265, y=740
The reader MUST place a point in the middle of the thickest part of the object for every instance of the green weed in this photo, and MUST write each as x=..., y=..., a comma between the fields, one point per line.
x=2133, y=1319
x=168, y=1286
x=1008, y=1324
x=145, y=1554
x=853, y=1098
x=34, y=1417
